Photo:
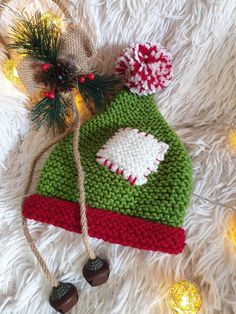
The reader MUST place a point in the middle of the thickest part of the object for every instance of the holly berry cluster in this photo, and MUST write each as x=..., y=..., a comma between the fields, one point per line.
x=49, y=95
x=61, y=76
x=83, y=78
x=33, y=37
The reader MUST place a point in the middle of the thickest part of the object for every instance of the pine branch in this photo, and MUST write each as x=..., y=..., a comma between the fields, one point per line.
x=34, y=37
x=100, y=90
x=51, y=112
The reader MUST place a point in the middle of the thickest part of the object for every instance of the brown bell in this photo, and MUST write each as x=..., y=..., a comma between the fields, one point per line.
x=96, y=271
x=63, y=297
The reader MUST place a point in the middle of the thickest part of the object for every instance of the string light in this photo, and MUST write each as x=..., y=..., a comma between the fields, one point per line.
x=84, y=112
x=10, y=65
x=232, y=140
x=232, y=229
x=10, y=71
x=82, y=108
x=216, y=203
x=184, y=298
x=52, y=19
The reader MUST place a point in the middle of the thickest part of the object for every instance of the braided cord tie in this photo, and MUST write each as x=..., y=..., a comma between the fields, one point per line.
x=25, y=228
x=80, y=184
x=36, y=253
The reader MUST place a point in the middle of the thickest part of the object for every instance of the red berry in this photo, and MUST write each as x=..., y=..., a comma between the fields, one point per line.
x=51, y=95
x=91, y=76
x=45, y=67
x=82, y=80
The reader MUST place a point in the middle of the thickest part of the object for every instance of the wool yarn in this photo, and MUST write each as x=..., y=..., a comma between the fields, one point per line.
x=145, y=67
x=147, y=216
x=132, y=154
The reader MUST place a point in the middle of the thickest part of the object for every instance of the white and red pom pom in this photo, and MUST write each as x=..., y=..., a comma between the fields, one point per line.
x=145, y=67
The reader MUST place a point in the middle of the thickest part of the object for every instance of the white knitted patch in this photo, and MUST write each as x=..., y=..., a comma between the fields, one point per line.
x=132, y=154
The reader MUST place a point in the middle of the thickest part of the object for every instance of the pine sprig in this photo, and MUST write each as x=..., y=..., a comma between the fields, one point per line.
x=100, y=90
x=40, y=40
x=34, y=37
x=51, y=112
x=61, y=76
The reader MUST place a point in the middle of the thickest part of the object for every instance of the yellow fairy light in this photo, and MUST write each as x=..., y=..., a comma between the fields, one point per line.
x=184, y=298
x=81, y=106
x=10, y=71
x=232, y=139
x=232, y=229
x=52, y=19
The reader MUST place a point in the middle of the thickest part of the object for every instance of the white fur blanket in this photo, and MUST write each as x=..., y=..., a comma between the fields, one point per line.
x=201, y=35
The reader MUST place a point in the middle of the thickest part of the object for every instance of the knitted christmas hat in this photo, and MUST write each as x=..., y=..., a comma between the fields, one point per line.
x=138, y=179
x=127, y=178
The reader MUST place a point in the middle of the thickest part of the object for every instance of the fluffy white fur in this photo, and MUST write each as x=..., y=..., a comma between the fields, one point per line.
x=201, y=35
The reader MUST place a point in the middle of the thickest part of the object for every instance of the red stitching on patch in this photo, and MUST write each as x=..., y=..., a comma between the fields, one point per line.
x=134, y=180
x=120, y=171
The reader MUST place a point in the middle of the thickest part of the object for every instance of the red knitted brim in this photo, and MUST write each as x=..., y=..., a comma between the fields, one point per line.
x=105, y=224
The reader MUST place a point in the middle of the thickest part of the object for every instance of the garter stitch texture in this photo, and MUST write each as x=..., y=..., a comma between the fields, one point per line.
x=158, y=207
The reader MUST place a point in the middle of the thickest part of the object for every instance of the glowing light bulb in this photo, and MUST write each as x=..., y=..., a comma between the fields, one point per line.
x=52, y=20
x=10, y=71
x=81, y=106
x=232, y=229
x=184, y=298
x=232, y=140
x=184, y=301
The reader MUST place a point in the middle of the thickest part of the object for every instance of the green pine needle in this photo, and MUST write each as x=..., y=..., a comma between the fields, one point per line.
x=51, y=112
x=34, y=37
x=100, y=90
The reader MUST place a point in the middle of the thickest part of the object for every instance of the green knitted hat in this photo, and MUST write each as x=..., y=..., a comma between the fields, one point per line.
x=138, y=179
